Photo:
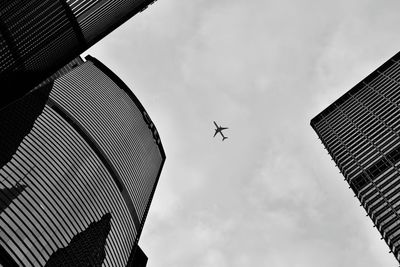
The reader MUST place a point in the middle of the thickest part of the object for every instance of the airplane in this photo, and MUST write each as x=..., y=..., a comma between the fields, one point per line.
x=219, y=130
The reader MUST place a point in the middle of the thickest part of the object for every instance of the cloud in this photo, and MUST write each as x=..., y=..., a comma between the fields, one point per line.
x=269, y=195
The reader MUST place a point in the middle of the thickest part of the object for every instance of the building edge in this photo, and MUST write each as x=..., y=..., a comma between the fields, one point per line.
x=353, y=90
x=150, y=124
x=126, y=89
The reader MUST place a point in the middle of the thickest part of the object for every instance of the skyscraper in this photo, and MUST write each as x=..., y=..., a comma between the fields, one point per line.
x=37, y=37
x=79, y=161
x=361, y=131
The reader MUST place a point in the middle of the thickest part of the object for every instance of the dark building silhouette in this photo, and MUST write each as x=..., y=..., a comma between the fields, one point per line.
x=86, y=248
x=6, y=260
x=83, y=146
x=17, y=120
x=37, y=37
x=361, y=131
x=138, y=258
x=7, y=195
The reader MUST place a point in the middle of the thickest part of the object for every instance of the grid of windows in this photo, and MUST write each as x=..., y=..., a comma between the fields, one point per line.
x=360, y=130
x=46, y=34
x=92, y=15
x=40, y=36
x=35, y=33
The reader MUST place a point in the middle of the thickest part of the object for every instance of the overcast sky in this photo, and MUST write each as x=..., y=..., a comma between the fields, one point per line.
x=269, y=195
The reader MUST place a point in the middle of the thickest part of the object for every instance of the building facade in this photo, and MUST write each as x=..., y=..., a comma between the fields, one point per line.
x=38, y=37
x=79, y=163
x=361, y=131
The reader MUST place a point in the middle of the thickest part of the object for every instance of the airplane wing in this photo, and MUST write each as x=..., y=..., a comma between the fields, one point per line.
x=224, y=128
x=215, y=133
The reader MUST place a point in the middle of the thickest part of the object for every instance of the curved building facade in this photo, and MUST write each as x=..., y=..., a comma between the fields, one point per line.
x=37, y=37
x=77, y=182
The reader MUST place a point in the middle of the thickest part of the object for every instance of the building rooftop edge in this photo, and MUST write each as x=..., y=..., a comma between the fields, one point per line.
x=124, y=87
x=353, y=90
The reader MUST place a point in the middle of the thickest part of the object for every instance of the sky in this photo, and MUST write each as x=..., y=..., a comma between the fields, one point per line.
x=269, y=195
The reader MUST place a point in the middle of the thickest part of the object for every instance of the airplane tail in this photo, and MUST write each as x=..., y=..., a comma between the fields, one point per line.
x=223, y=138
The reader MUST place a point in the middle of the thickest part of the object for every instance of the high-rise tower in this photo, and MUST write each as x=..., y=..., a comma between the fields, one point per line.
x=37, y=37
x=361, y=131
x=79, y=163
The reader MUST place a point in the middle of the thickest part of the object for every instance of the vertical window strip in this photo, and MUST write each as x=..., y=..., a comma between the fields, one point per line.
x=25, y=210
x=48, y=169
x=44, y=193
x=12, y=239
x=39, y=198
x=62, y=150
x=55, y=160
x=21, y=234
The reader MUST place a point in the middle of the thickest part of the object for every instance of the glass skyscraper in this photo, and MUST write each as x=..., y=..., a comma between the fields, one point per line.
x=37, y=37
x=80, y=160
x=361, y=131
